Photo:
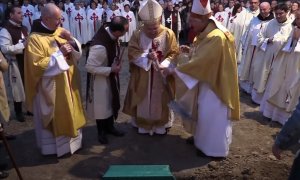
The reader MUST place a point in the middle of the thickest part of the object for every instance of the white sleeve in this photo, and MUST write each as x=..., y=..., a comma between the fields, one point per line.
x=97, y=61
x=57, y=64
x=297, y=48
x=143, y=62
x=189, y=81
x=6, y=44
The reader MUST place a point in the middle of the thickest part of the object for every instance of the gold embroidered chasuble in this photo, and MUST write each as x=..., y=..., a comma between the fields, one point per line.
x=64, y=113
x=213, y=61
x=147, y=98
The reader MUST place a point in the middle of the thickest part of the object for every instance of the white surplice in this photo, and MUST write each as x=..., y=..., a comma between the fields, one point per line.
x=94, y=18
x=79, y=28
x=28, y=12
x=283, y=88
x=213, y=131
x=266, y=53
x=132, y=25
x=249, y=44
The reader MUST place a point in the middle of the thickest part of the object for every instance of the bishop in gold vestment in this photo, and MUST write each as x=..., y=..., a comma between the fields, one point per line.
x=207, y=85
x=147, y=98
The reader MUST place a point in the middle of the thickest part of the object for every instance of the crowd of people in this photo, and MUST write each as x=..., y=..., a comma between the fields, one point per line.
x=255, y=49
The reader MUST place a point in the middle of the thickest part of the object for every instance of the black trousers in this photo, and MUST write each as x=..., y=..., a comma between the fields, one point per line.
x=295, y=171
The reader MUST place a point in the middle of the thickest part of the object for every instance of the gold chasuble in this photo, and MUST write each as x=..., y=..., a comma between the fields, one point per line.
x=219, y=70
x=147, y=98
x=64, y=113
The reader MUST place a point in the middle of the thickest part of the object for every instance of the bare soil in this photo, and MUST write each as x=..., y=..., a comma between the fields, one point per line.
x=250, y=153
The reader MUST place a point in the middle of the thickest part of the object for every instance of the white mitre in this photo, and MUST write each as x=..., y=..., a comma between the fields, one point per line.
x=150, y=11
x=201, y=8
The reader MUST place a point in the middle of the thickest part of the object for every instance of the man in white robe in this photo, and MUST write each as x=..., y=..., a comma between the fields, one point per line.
x=13, y=37
x=94, y=16
x=250, y=44
x=69, y=7
x=241, y=24
x=229, y=11
x=28, y=12
x=78, y=22
x=113, y=13
x=132, y=23
x=270, y=40
x=103, y=94
x=283, y=88
x=105, y=11
x=65, y=23
x=222, y=16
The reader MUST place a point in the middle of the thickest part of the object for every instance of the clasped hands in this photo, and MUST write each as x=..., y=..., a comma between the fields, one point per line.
x=116, y=65
x=66, y=48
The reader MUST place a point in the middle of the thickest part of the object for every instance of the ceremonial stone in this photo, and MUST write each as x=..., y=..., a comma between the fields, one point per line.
x=136, y=172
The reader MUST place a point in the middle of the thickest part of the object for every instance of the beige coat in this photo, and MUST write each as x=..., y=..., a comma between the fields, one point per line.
x=99, y=102
x=4, y=108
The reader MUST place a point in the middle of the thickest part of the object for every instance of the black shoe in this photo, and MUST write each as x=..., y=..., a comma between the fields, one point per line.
x=116, y=132
x=190, y=140
x=9, y=137
x=201, y=154
x=20, y=117
x=28, y=113
x=102, y=138
x=3, y=174
x=254, y=103
x=3, y=167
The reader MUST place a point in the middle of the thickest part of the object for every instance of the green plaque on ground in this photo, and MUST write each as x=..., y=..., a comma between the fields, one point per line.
x=136, y=172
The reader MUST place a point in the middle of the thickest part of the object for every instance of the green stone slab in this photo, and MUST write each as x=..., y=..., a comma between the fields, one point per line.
x=136, y=172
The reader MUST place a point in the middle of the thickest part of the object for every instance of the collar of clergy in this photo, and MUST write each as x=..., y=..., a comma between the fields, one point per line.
x=40, y=28
x=270, y=17
x=15, y=24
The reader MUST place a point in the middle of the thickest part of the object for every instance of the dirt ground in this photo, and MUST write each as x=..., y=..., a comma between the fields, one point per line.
x=250, y=154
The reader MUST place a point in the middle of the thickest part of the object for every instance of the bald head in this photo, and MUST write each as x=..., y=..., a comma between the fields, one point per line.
x=49, y=10
x=51, y=16
x=265, y=9
x=265, y=5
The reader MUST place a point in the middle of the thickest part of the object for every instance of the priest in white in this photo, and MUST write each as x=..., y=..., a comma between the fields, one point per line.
x=249, y=43
x=78, y=24
x=241, y=24
x=28, y=12
x=105, y=12
x=113, y=13
x=283, y=88
x=64, y=17
x=222, y=16
x=131, y=20
x=94, y=17
x=69, y=7
x=270, y=40
x=234, y=22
